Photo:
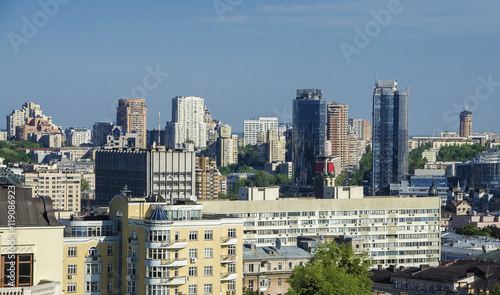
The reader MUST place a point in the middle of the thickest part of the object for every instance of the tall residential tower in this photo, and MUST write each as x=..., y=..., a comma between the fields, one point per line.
x=188, y=123
x=336, y=131
x=131, y=115
x=308, y=134
x=390, y=135
x=465, y=123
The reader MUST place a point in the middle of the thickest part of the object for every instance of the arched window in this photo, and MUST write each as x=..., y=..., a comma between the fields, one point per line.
x=93, y=251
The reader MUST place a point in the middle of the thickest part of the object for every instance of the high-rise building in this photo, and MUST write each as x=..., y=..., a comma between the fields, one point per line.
x=362, y=128
x=390, y=135
x=252, y=127
x=131, y=114
x=187, y=125
x=145, y=172
x=76, y=136
x=308, y=134
x=208, y=178
x=336, y=131
x=465, y=123
x=226, y=146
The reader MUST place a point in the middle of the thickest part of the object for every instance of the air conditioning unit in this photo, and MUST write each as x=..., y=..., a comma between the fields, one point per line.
x=193, y=260
x=70, y=277
x=133, y=277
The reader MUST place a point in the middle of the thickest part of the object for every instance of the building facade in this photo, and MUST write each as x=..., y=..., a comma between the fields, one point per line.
x=404, y=231
x=208, y=178
x=362, y=128
x=308, y=134
x=77, y=136
x=131, y=114
x=252, y=127
x=145, y=172
x=390, y=135
x=336, y=131
x=465, y=123
x=187, y=123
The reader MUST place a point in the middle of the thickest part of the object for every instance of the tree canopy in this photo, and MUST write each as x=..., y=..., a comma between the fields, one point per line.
x=333, y=269
x=460, y=153
x=415, y=158
x=9, y=151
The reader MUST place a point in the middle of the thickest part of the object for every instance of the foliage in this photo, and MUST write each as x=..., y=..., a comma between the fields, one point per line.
x=365, y=168
x=224, y=170
x=249, y=155
x=9, y=151
x=472, y=230
x=250, y=292
x=341, y=178
x=84, y=185
x=460, y=153
x=415, y=158
x=333, y=269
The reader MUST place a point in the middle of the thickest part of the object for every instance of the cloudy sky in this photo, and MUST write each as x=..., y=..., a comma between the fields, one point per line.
x=247, y=58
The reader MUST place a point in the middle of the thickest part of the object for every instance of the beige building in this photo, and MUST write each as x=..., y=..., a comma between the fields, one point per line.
x=271, y=147
x=465, y=123
x=439, y=142
x=394, y=230
x=209, y=180
x=336, y=131
x=131, y=114
x=62, y=186
x=31, y=244
x=227, y=147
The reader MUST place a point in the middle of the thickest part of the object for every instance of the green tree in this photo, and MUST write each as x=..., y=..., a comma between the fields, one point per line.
x=333, y=269
x=224, y=170
x=341, y=178
x=84, y=185
x=282, y=179
x=415, y=158
x=365, y=169
x=460, y=153
x=251, y=292
x=10, y=151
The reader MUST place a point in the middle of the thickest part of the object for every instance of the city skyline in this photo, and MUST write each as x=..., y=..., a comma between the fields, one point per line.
x=75, y=60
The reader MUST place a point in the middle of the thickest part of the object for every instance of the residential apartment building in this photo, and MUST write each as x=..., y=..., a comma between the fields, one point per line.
x=336, y=131
x=393, y=230
x=31, y=244
x=62, y=186
x=465, y=123
x=77, y=136
x=308, y=134
x=19, y=117
x=481, y=172
x=252, y=127
x=362, y=128
x=271, y=147
x=266, y=269
x=187, y=125
x=209, y=181
x=131, y=114
x=390, y=135
x=145, y=172
x=226, y=147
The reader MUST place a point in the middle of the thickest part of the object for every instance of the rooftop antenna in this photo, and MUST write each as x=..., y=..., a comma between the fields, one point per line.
x=375, y=77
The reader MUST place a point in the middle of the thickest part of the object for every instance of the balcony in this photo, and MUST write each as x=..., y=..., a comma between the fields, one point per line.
x=131, y=277
x=174, y=262
x=178, y=244
x=228, y=258
x=228, y=241
x=131, y=259
x=228, y=276
x=44, y=288
x=173, y=281
x=92, y=258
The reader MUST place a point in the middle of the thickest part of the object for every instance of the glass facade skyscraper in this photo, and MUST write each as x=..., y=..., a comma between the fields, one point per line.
x=308, y=134
x=390, y=135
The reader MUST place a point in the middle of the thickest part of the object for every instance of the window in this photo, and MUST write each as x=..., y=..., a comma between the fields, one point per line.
x=92, y=286
x=231, y=285
x=157, y=272
x=193, y=253
x=279, y=282
x=72, y=269
x=208, y=271
x=280, y=265
x=250, y=267
x=231, y=233
x=207, y=289
x=160, y=290
x=131, y=268
x=250, y=285
x=192, y=289
x=209, y=234
x=92, y=268
x=93, y=251
x=231, y=268
x=72, y=251
x=231, y=250
x=208, y=253
x=193, y=236
x=110, y=249
x=71, y=287
x=109, y=286
x=193, y=271
x=157, y=254
x=158, y=235
x=110, y=267
x=23, y=270
x=130, y=287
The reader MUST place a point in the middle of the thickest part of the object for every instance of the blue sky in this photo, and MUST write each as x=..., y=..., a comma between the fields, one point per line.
x=247, y=58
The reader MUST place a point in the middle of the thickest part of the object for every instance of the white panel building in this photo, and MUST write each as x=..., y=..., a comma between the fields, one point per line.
x=187, y=123
x=252, y=127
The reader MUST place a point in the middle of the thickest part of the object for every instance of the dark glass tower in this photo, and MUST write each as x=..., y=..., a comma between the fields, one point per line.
x=308, y=134
x=390, y=135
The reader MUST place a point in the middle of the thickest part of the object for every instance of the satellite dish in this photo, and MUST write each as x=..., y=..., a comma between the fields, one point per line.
x=321, y=238
x=278, y=243
x=193, y=198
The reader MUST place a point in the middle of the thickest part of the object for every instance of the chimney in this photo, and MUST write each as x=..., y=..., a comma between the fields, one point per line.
x=424, y=267
x=379, y=267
